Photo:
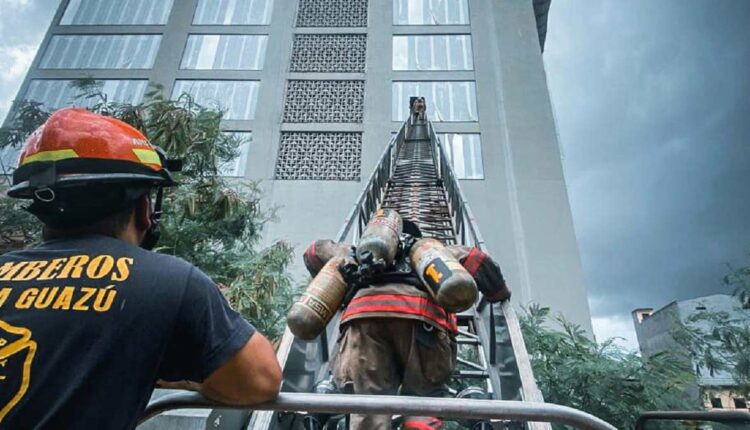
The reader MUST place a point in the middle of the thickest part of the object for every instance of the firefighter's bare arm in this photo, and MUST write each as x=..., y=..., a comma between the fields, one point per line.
x=251, y=376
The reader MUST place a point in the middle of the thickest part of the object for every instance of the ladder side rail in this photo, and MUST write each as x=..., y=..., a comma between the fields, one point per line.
x=396, y=405
x=466, y=221
x=382, y=170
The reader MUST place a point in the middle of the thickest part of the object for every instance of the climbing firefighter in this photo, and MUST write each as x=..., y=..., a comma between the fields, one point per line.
x=396, y=335
x=90, y=318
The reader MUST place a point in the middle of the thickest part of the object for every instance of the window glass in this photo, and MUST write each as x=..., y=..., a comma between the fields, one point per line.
x=101, y=52
x=117, y=12
x=236, y=167
x=224, y=52
x=465, y=153
x=446, y=101
x=430, y=12
x=237, y=98
x=233, y=12
x=448, y=52
x=58, y=93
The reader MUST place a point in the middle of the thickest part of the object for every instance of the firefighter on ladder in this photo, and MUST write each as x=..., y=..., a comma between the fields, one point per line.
x=91, y=318
x=394, y=337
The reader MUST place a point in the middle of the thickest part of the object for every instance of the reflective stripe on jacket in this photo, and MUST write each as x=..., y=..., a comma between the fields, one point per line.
x=398, y=301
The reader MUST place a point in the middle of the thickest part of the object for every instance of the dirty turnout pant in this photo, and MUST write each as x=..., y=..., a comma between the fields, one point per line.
x=379, y=355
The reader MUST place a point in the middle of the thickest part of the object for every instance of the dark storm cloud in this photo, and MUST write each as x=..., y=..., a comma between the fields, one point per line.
x=652, y=102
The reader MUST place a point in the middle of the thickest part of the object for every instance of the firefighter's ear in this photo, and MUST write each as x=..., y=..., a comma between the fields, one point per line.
x=143, y=212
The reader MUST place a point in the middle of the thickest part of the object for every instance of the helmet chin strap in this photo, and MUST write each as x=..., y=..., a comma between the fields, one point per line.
x=153, y=232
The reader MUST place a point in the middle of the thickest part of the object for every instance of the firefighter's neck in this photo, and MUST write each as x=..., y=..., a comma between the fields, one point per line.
x=132, y=234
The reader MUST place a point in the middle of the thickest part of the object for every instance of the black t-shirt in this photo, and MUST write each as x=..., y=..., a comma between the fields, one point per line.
x=88, y=324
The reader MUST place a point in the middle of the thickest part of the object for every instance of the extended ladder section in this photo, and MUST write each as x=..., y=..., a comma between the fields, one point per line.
x=415, y=178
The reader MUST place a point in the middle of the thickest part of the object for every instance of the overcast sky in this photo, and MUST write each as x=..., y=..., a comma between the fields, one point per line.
x=652, y=100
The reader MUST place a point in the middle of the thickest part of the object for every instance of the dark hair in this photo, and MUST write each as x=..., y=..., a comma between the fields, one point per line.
x=111, y=225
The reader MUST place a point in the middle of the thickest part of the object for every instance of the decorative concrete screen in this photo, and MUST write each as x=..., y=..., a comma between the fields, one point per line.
x=342, y=53
x=332, y=13
x=310, y=101
x=324, y=156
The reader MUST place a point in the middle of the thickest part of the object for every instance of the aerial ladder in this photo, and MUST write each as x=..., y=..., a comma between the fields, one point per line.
x=414, y=177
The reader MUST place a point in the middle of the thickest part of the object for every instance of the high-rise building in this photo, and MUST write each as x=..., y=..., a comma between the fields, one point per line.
x=317, y=87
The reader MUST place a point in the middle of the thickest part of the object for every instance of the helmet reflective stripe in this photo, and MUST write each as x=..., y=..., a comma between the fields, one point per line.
x=147, y=156
x=55, y=155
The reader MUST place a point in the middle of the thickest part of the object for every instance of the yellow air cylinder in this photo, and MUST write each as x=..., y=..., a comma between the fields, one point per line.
x=379, y=242
x=313, y=311
x=451, y=286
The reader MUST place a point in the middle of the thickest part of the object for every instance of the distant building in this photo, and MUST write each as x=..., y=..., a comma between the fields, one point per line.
x=654, y=331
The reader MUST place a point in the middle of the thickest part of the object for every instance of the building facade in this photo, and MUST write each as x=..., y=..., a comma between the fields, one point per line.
x=654, y=330
x=317, y=87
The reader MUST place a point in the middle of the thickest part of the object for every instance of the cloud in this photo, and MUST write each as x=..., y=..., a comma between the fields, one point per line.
x=651, y=101
x=617, y=327
x=22, y=27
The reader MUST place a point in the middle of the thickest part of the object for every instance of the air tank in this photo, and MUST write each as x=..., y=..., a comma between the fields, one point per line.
x=378, y=245
x=313, y=311
x=450, y=284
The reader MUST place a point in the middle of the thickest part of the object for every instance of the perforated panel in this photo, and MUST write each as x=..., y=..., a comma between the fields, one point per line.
x=329, y=53
x=324, y=101
x=326, y=156
x=332, y=13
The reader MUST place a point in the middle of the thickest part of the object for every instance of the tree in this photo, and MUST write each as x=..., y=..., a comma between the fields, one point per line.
x=601, y=378
x=208, y=220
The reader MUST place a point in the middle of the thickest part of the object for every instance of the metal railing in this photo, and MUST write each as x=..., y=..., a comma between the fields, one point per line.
x=397, y=405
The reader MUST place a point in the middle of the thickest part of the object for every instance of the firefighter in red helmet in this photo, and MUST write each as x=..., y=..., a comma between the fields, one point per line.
x=90, y=319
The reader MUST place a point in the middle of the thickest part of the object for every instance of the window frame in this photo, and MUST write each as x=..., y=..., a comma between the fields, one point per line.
x=48, y=46
x=467, y=11
x=480, y=151
x=211, y=104
x=431, y=106
x=263, y=53
x=268, y=16
x=65, y=12
x=469, y=54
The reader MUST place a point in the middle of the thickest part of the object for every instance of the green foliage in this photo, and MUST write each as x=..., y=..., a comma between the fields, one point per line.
x=601, y=378
x=210, y=221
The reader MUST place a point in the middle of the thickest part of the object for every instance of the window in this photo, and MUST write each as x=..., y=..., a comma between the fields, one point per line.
x=465, y=153
x=740, y=403
x=716, y=402
x=237, y=98
x=430, y=12
x=58, y=93
x=448, y=52
x=101, y=52
x=233, y=12
x=236, y=167
x=446, y=101
x=117, y=12
x=224, y=52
